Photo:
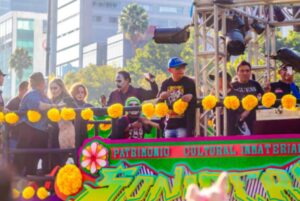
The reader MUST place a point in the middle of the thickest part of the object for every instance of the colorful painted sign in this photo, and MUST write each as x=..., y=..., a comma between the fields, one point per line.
x=259, y=167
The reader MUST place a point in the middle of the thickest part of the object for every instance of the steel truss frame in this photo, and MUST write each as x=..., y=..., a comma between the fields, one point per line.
x=210, y=45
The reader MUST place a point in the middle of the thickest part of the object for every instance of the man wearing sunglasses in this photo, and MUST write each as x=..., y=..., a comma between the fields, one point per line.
x=285, y=85
x=178, y=86
x=125, y=90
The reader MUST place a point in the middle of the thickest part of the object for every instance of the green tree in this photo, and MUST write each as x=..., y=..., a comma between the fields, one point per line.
x=134, y=22
x=100, y=80
x=19, y=61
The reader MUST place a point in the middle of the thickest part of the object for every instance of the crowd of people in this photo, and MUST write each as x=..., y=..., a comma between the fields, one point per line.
x=32, y=95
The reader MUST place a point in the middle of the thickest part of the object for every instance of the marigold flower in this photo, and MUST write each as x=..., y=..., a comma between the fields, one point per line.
x=180, y=106
x=94, y=157
x=249, y=102
x=288, y=101
x=115, y=110
x=231, y=102
x=28, y=193
x=68, y=114
x=33, y=116
x=11, y=118
x=209, y=102
x=2, y=117
x=42, y=193
x=15, y=194
x=54, y=115
x=87, y=114
x=148, y=110
x=161, y=109
x=268, y=99
x=69, y=180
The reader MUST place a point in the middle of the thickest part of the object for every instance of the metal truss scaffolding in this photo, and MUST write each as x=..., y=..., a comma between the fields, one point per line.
x=210, y=21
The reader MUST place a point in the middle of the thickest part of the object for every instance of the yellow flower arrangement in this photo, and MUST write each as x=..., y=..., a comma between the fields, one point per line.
x=249, y=102
x=11, y=118
x=148, y=110
x=33, y=116
x=115, y=110
x=69, y=179
x=42, y=193
x=28, y=193
x=268, y=99
x=180, y=106
x=161, y=109
x=54, y=115
x=105, y=127
x=288, y=101
x=15, y=194
x=209, y=102
x=210, y=122
x=87, y=114
x=68, y=114
x=2, y=117
x=231, y=102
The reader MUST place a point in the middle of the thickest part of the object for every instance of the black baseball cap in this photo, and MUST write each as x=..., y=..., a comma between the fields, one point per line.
x=3, y=74
x=212, y=77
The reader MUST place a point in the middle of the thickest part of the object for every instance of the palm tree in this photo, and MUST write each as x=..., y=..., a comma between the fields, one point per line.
x=19, y=61
x=134, y=22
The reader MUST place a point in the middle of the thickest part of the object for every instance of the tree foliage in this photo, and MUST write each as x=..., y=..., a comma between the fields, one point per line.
x=100, y=80
x=134, y=22
x=19, y=61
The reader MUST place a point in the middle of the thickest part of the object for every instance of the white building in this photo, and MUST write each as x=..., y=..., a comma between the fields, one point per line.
x=83, y=22
x=22, y=30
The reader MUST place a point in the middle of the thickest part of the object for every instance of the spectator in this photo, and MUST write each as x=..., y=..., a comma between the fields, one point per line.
x=102, y=100
x=285, y=85
x=132, y=125
x=59, y=95
x=79, y=93
x=32, y=135
x=176, y=87
x=2, y=75
x=125, y=90
x=14, y=103
x=232, y=115
x=245, y=86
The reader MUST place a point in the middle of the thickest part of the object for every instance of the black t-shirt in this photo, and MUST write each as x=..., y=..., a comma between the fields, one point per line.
x=281, y=88
x=132, y=133
x=251, y=87
x=184, y=86
x=14, y=104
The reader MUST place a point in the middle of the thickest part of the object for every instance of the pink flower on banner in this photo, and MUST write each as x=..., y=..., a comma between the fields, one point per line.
x=94, y=157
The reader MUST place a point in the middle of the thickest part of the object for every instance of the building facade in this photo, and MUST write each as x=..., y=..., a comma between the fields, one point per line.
x=38, y=6
x=83, y=22
x=22, y=30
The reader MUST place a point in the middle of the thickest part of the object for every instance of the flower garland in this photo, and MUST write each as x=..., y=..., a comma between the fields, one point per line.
x=148, y=110
x=268, y=99
x=180, y=106
x=209, y=102
x=249, y=102
x=2, y=117
x=33, y=116
x=115, y=110
x=28, y=192
x=42, y=193
x=68, y=114
x=87, y=114
x=161, y=109
x=231, y=102
x=289, y=101
x=11, y=118
x=54, y=115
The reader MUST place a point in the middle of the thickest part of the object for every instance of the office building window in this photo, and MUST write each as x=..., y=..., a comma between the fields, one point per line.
x=113, y=19
x=97, y=18
x=25, y=24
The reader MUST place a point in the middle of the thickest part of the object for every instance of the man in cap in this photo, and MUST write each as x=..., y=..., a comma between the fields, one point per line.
x=285, y=85
x=125, y=89
x=132, y=125
x=178, y=86
x=2, y=75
